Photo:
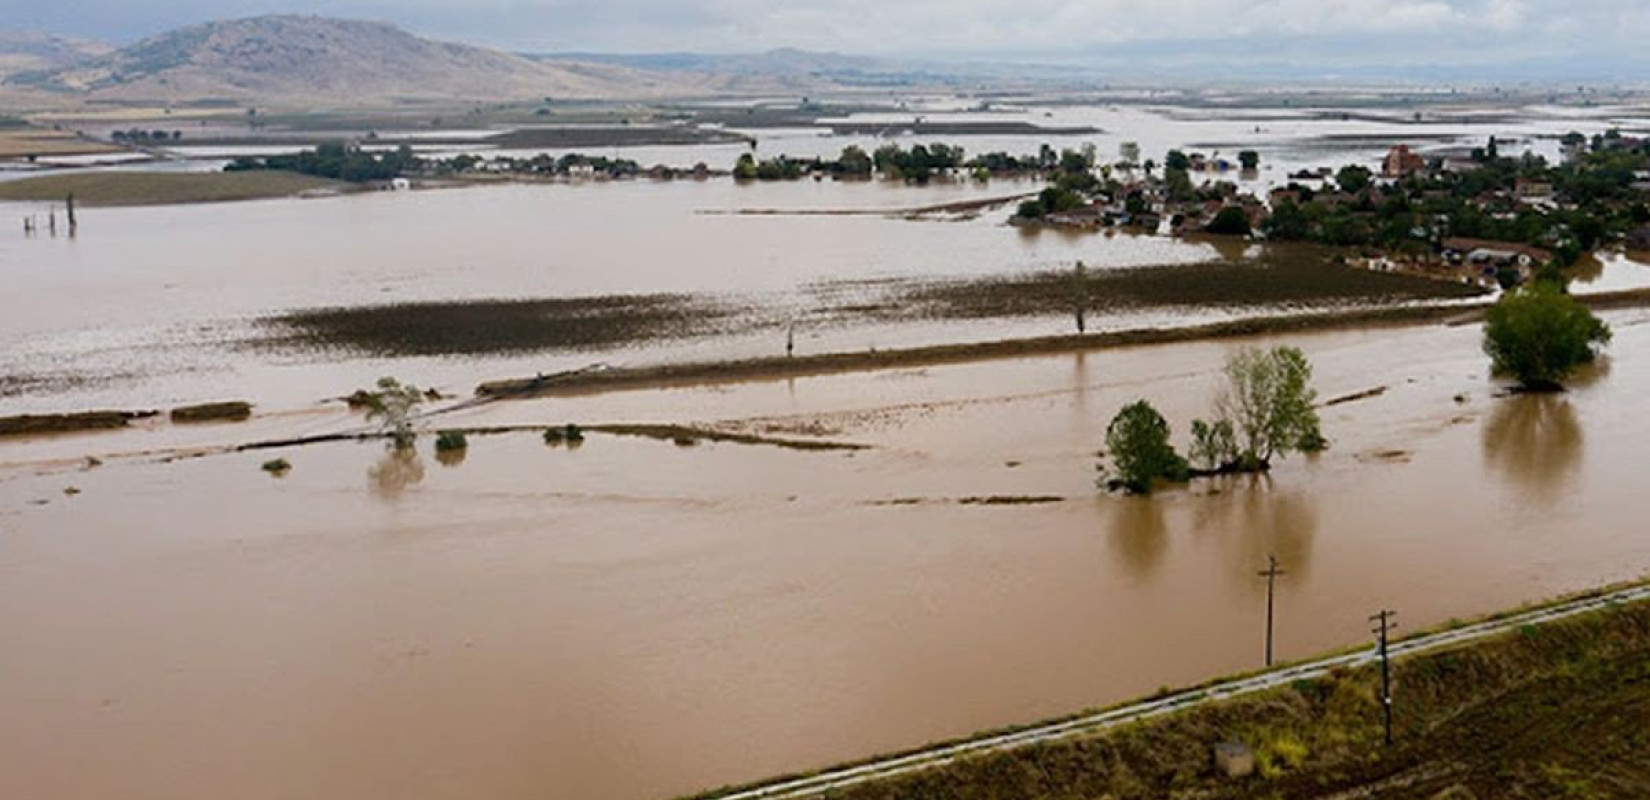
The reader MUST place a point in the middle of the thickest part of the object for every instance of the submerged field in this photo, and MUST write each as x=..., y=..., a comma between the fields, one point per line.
x=1290, y=281
x=161, y=188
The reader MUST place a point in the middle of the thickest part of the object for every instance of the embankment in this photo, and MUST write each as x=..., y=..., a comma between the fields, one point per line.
x=780, y=368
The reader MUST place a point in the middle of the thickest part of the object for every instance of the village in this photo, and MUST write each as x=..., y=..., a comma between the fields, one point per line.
x=1476, y=217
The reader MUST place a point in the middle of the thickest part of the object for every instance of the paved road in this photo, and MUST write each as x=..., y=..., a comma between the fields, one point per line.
x=818, y=784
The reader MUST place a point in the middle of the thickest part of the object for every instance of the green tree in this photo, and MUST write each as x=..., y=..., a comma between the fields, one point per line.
x=1231, y=221
x=1539, y=335
x=745, y=168
x=1138, y=441
x=1214, y=446
x=1288, y=222
x=1249, y=160
x=1268, y=401
x=393, y=405
x=855, y=161
x=1353, y=178
x=1177, y=160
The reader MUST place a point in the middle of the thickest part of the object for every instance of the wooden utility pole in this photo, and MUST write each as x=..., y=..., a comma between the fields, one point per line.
x=1271, y=574
x=1383, y=626
x=1080, y=292
x=74, y=224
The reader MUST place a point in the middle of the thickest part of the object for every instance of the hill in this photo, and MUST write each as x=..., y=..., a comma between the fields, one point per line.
x=310, y=59
x=34, y=52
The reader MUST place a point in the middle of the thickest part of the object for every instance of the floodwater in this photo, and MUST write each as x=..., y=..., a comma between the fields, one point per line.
x=157, y=305
x=164, y=306
x=635, y=619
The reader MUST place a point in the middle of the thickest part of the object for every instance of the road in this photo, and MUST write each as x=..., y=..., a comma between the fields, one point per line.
x=835, y=779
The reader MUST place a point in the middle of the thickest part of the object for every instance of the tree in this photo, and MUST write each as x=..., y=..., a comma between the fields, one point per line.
x=855, y=161
x=1177, y=160
x=1178, y=182
x=1353, y=178
x=1231, y=221
x=1268, y=402
x=1288, y=222
x=1249, y=160
x=393, y=405
x=1138, y=441
x=1213, y=445
x=745, y=168
x=1129, y=152
x=1539, y=335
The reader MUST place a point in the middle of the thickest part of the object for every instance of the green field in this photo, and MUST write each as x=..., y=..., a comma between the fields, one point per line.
x=160, y=188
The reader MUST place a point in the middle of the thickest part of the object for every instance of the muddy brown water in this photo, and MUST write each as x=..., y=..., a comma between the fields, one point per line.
x=634, y=619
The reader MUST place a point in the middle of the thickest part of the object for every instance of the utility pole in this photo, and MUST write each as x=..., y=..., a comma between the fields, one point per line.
x=1383, y=626
x=1081, y=291
x=1271, y=574
x=74, y=224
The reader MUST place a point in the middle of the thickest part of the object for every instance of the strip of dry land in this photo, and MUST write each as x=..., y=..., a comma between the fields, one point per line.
x=781, y=368
x=134, y=188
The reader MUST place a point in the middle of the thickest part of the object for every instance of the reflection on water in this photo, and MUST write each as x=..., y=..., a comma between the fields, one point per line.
x=452, y=458
x=1536, y=441
x=1257, y=518
x=399, y=469
x=1139, y=534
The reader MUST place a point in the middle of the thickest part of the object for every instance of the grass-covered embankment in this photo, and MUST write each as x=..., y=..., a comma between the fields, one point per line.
x=161, y=188
x=1556, y=710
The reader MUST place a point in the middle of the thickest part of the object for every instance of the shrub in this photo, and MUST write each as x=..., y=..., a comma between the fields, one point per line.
x=449, y=441
x=567, y=434
x=277, y=467
x=1539, y=335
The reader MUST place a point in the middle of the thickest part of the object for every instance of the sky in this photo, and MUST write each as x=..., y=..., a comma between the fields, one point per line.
x=1563, y=35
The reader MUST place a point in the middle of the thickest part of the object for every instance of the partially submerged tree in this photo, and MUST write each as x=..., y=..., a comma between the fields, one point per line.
x=1138, y=441
x=1264, y=411
x=393, y=405
x=1539, y=335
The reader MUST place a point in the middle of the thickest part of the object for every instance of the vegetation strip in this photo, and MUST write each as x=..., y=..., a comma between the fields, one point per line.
x=776, y=368
x=823, y=783
x=959, y=207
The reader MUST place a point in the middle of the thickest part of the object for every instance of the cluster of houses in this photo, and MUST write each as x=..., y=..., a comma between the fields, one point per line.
x=1143, y=204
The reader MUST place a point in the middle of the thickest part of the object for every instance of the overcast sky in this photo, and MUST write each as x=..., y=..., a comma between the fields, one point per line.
x=1304, y=31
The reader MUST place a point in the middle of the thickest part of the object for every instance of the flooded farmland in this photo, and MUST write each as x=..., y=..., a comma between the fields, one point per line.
x=686, y=598
x=639, y=618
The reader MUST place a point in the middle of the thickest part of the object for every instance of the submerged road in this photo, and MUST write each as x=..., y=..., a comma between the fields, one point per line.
x=835, y=779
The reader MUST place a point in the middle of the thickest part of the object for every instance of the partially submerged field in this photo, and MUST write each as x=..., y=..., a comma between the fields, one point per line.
x=161, y=188
x=1293, y=282
x=1556, y=710
x=498, y=326
x=1289, y=279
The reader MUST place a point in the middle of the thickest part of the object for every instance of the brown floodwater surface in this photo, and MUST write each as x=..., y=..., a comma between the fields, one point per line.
x=634, y=619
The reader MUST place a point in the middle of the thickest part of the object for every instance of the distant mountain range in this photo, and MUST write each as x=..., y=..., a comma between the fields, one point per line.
x=308, y=60
x=35, y=52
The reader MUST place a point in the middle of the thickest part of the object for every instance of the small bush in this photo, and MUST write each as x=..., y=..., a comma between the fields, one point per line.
x=449, y=441
x=279, y=466
x=567, y=434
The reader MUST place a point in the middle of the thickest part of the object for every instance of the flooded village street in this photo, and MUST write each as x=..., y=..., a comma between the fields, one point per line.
x=639, y=618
